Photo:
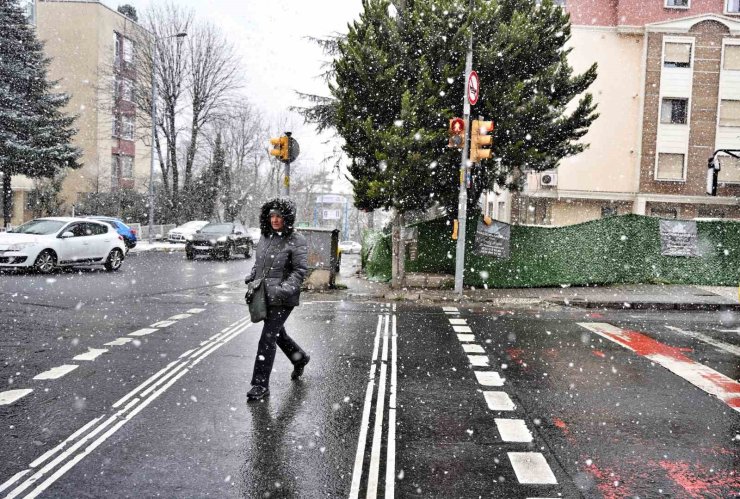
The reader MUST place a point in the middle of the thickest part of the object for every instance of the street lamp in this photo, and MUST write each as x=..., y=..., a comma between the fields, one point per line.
x=154, y=128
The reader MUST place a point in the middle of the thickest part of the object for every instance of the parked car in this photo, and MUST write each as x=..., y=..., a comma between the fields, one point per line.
x=219, y=240
x=45, y=244
x=255, y=234
x=350, y=247
x=129, y=235
x=179, y=234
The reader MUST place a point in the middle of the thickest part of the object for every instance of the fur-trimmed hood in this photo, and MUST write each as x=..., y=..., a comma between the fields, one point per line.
x=287, y=208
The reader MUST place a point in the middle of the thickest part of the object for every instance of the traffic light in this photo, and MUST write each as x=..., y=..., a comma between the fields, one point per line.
x=280, y=148
x=456, y=133
x=480, y=140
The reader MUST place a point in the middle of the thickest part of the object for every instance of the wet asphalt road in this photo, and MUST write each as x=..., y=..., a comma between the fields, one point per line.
x=164, y=413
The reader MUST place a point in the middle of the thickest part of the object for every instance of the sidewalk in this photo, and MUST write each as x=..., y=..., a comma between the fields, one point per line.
x=142, y=246
x=624, y=296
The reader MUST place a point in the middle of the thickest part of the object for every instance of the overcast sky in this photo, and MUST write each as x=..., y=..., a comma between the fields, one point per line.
x=270, y=36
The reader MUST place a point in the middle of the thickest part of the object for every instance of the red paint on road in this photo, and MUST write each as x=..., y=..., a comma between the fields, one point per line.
x=701, y=483
x=606, y=481
x=599, y=353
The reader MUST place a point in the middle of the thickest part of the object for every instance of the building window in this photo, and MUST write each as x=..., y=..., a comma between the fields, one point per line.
x=670, y=166
x=729, y=169
x=677, y=55
x=127, y=127
x=677, y=4
x=123, y=89
x=674, y=111
x=732, y=6
x=731, y=60
x=661, y=212
x=115, y=125
x=123, y=49
x=122, y=167
x=729, y=112
x=490, y=209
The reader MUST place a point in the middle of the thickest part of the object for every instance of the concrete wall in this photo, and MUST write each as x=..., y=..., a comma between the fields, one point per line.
x=609, y=164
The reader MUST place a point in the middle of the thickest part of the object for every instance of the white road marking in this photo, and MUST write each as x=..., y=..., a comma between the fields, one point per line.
x=179, y=317
x=91, y=354
x=186, y=353
x=473, y=348
x=531, y=467
x=462, y=329
x=489, y=378
x=14, y=479
x=710, y=381
x=466, y=337
x=734, y=350
x=478, y=360
x=120, y=418
x=56, y=372
x=499, y=401
x=365, y=421
x=458, y=322
x=374, y=469
x=513, y=430
x=10, y=396
x=449, y=309
x=46, y=455
x=730, y=330
x=196, y=310
x=144, y=332
x=118, y=342
x=163, y=324
x=390, y=466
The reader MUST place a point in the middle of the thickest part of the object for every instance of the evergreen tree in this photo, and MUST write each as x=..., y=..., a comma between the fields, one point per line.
x=129, y=11
x=35, y=133
x=399, y=79
x=210, y=182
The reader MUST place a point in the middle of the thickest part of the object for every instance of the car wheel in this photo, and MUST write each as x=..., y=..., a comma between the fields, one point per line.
x=114, y=261
x=248, y=251
x=189, y=255
x=46, y=262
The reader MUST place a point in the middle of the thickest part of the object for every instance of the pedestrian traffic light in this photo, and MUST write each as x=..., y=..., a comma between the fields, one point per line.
x=280, y=148
x=456, y=133
x=480, y=140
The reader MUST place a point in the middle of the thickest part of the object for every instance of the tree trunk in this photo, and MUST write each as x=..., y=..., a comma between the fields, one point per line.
x=7, y=199
x=398, y=266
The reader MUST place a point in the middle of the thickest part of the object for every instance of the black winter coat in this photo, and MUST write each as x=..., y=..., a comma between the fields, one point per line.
x=285, y=256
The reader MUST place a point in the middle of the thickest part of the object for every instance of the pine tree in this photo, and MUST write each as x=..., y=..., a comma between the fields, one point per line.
x=399, y=79
x=35, y=133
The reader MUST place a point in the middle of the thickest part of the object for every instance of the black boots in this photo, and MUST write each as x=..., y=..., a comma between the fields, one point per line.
x=257, y=392
x=298, y=367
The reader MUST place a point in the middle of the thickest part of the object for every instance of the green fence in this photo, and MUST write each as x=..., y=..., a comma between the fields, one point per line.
x=623, y=249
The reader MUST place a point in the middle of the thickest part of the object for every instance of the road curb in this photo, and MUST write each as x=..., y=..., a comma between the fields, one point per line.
x=637, y=305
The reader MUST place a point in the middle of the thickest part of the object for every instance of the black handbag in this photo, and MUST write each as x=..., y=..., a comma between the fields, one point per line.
x=256, y=298
x=256, y=295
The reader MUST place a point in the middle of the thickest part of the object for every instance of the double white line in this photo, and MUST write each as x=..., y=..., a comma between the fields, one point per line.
x=81, y=443
x=384, y=324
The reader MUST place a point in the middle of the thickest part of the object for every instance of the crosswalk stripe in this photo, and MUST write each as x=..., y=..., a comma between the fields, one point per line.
x=499, y=401
x=513, y=430
x=11, y=396
x=531, y=467
x=56, y=372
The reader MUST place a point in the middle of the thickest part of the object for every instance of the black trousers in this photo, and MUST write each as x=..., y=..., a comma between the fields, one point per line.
x=273, y=333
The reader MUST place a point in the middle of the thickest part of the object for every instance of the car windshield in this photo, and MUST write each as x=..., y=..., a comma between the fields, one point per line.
x=40, y=227
x=191, y=225
x=217, y=229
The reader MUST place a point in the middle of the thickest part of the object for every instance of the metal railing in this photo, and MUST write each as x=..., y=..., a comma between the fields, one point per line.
x=159, y=232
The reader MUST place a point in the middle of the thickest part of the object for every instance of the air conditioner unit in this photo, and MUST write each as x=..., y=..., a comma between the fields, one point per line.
x=548, y=179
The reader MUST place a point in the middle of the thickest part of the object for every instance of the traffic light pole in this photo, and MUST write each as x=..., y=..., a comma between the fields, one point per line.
x=462, y=206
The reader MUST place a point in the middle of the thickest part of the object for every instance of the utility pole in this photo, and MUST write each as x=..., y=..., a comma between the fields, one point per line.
x=462, y=206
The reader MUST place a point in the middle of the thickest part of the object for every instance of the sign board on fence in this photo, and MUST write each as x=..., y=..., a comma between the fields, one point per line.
x=492, y=240
x=678, y=238
x=331, y=214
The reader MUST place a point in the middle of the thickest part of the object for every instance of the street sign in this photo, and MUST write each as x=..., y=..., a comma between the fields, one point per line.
x=473, y=88
x=332, y=214
x=330, y=199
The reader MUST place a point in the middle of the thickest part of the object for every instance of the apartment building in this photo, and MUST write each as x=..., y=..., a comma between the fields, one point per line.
x=668, y=94
x=92, y=50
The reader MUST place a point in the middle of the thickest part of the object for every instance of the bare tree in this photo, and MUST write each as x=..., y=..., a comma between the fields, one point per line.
x=195, y=79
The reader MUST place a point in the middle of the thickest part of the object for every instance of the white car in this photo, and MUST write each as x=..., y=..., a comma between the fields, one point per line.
x=47, y=243
x=180, y=234
x=255, y=234
x=350, y=247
